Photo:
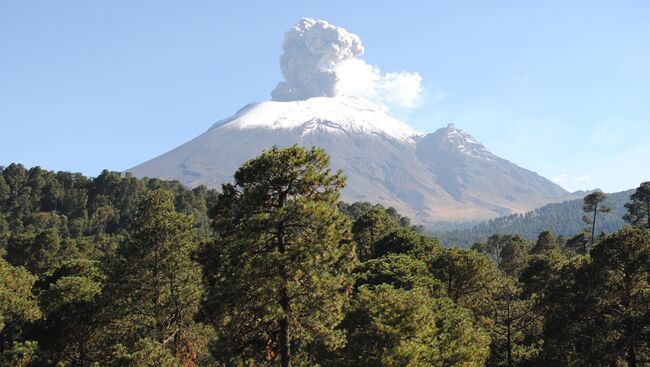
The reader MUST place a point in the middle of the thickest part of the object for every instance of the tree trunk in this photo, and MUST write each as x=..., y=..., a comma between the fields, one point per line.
x=82, y=353
x=647, y=208
x=631, y=357
x=509, y=342
x=285, y=332
x=508, y=334
x=285, y=335
x=593, y=225
x=450, y=284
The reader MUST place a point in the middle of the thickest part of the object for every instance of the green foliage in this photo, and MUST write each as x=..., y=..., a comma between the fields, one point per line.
x=546, y=241
x=593, y=204
x=146, y=353
x=69, y=299
x=103, y=272
x=406, y=241
x=369, y=228
x=400, y=271
x=40, y=253
x=155, y=284
x=21, y=354
x=596, y=311
x=621, y=265
x=638, y=209
x=510, y=252
x=579, y=243
x=76, y=206
x=540, y=269
x=468, y=276
x=355, y=210
x=396, y=327
x=278, y=274
x=511, y=321
x=18, y=306
x=564, y=219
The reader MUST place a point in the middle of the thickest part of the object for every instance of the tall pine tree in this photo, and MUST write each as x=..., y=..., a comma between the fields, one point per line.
x=278, y=274
x=155, y=286
x=592, y=206
x=638, y=209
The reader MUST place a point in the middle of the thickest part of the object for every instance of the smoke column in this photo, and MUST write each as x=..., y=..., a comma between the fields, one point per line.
x=312, y=51
x=322, y=60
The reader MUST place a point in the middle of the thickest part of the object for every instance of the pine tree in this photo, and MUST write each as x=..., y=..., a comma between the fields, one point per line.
x=621, y=264
x=511, y=319
x=278, y=274
x=638, y=209
x=390, y=327
x=469, y=277
x=545, y=241
x=592, y=204
x=18, y=307
x=155, y=286
x=370, y=227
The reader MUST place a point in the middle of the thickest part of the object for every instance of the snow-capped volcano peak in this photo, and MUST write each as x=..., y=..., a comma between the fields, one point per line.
x=346, y=114
x=445, y=175
x=456, y=140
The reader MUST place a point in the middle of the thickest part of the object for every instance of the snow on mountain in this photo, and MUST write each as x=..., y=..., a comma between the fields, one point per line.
x=446, y=175
x=462, y=142
x=344, y=115
x=471, y=173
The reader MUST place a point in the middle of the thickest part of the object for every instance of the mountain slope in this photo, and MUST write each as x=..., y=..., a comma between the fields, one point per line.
x=386, y=162
x=469, y=172
x=562, y=218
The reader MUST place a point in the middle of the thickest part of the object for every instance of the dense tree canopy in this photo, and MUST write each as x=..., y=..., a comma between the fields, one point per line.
x=273, y=270
x=564, y=219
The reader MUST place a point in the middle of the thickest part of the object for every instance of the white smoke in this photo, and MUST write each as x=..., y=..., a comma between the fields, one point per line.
x=321, y=60
x=312, y=50
x=401, y=89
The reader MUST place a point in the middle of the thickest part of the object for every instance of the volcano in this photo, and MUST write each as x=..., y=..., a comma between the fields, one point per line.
x=446, y=175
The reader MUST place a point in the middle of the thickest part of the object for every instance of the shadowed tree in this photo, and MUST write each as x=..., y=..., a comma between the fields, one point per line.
x=596, y=312
x=511, y=319
x=155, y=286
x=508, y=251
x=622, y=301
x=68, y=333
x=638, y=209
x=370, y=227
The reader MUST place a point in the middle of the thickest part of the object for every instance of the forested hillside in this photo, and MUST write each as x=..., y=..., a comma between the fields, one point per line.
x=274, y=270
x=563, y=219
x=77, y=207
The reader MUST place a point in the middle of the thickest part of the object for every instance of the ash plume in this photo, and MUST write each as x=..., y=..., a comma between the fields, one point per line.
x=322, y=60
x=312, y=51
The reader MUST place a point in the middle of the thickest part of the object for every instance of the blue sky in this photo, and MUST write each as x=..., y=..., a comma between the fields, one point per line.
x=558, y=87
